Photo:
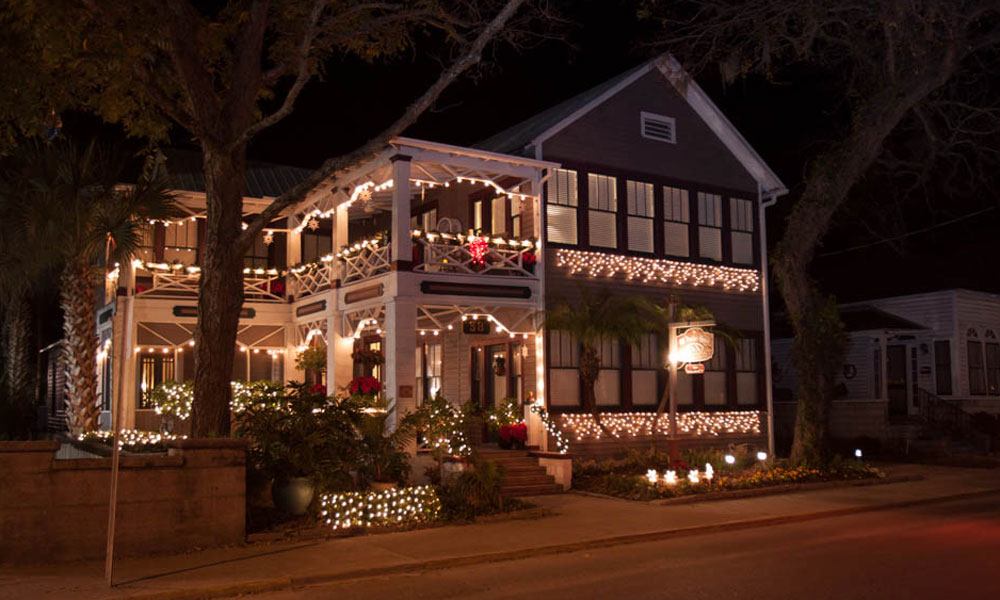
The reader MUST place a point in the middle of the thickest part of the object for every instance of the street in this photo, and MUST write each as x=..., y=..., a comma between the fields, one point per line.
x=949, y=550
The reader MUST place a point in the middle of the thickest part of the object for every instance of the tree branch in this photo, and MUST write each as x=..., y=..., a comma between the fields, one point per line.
x=330, y=167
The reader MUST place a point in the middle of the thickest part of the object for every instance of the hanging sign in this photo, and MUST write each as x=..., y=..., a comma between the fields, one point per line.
x=694, y=368
x=476, y=326
x=694, y=345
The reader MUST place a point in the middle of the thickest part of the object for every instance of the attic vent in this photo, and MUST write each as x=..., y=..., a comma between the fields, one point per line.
x=658, y=127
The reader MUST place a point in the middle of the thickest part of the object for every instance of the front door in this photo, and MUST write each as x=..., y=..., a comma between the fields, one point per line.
x=495, y=375
x=896, y=379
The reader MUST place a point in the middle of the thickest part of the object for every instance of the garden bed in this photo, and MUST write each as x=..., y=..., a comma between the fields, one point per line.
x=739, y=476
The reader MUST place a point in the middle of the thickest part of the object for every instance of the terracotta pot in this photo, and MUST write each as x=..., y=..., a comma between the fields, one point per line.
x=294, y=495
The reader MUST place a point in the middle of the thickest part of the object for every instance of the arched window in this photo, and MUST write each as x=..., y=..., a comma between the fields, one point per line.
x=977, y=364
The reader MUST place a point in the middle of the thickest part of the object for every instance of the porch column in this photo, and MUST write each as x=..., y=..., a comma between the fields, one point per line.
x=293, y=242
x=340, y=345
x=537, y=434
x=400, y=360
x=339, y=238
x=402, y=246
x=291, y=353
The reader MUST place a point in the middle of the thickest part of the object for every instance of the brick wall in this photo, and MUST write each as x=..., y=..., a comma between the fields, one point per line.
x=56, y=510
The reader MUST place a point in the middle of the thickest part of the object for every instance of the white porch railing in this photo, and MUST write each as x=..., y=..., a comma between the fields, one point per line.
x=265, y=286
x=442, y=257
x=310, y=280
x=370, y=260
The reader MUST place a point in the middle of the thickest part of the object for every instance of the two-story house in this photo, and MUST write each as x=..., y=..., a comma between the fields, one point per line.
x=442, y=258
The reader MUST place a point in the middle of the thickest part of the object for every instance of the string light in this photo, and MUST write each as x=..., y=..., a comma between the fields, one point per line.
x=646, y=270
x=583, y=426
x=562, y=444
x=397, y=506
x=130, y=439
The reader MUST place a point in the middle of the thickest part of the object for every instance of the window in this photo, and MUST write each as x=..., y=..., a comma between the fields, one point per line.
x=499, y=223
x=181, y=242
x=676, y=222
x=657, y=127
x=942, y=368
x=992, y=365
x=147, y=247
x=715, y=376
x=561, y=202
x=256, y=256
x=563, y=359
x=645, y=355
x=315, y=245
x=426, y=220
x=640, y=216
x=603, y=203
x=264, y=366
x=710, y=226
x=428, y=371
x=515, y=217
x=877, y=371
x=741, y=230
x=564, y=351
x=154, y=369
x=977, y=368
x=645, y=368
x=747, y=377
x=477, y=215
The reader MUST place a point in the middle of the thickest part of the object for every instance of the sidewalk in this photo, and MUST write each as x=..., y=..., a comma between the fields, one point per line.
x=578, y=522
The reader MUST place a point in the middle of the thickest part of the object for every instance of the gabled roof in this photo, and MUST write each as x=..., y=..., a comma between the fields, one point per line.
x=527, y=135
x=260, y=179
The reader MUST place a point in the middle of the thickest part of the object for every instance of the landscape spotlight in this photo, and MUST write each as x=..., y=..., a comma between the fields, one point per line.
x=730, y=459
x=762, y=455
x=857, y=452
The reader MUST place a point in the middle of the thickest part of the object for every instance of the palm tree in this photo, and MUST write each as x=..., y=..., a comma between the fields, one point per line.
x=90, y=221
x=592, y=319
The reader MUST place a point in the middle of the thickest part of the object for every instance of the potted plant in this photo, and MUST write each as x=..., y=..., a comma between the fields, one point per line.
x=383, y=461
x=513, y=436
x=365, y=386
x=367, y=357
x=301, y=439
x=312, y=361
x=528, y=260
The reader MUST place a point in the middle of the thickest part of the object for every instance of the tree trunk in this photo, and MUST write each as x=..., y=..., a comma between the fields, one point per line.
x=19, y=364
x=818, y=348
x=79, y=306
x=220, y=292
x=590, y=369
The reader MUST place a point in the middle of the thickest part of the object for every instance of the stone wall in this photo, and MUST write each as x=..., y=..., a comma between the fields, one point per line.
x=55, y=510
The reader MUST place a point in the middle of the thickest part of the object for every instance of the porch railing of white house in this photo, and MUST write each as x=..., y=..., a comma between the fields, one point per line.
x=369, y=261
x=497, y=259
x=311, y=279
x=259, y=285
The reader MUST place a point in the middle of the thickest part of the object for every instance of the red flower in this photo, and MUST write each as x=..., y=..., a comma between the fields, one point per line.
x=365, y=385
x=514, y=433
x=319, y=388
x=528, y=258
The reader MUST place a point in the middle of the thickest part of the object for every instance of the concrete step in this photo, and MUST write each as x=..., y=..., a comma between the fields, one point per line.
x=528, y=479
x=531, y=490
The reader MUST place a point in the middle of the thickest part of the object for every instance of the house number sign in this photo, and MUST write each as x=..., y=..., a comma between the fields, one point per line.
x=476, y=327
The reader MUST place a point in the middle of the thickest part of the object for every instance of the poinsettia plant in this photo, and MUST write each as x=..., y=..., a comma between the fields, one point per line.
x=367, y=357
x=529, y=258
x=367, y=386
x=513, y=435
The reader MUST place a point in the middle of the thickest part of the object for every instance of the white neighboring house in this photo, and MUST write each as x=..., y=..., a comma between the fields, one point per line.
x=906, y=354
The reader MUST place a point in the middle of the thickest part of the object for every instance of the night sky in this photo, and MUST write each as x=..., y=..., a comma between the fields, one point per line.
x=787, y=122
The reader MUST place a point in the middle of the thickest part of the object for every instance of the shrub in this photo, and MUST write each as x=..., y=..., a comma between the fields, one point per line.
x=474, y=493
x=303, y=434
x=312, y=358
x=507, y=412
x=443, y=428
x=382, y=454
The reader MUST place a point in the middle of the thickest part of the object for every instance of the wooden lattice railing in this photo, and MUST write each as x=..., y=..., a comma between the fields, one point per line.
x=369, y=261
x=312, y=279
x=259, y=287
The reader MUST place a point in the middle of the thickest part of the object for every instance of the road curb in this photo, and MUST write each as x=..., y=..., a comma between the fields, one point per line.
x=269, y=585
